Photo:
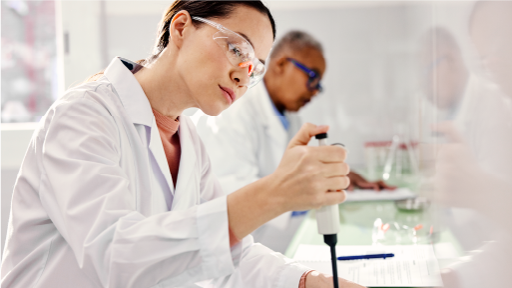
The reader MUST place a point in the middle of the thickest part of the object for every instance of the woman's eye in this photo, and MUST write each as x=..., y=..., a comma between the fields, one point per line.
x=235, y=50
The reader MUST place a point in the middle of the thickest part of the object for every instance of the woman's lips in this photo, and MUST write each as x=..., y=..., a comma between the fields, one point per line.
x=228, y=93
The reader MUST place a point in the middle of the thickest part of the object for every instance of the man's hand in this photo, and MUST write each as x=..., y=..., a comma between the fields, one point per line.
x=358, y=181
x=319, y=280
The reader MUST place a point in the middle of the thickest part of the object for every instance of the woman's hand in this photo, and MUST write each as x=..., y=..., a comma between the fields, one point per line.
x=319, y=280
x=307, y=178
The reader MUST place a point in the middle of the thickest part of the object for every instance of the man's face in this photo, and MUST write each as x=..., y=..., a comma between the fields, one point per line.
x=293, y=92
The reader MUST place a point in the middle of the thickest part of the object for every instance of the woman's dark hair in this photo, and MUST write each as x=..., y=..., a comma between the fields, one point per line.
x=203, y=9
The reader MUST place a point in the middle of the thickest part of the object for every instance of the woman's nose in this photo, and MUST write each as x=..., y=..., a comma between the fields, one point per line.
x=241, y=77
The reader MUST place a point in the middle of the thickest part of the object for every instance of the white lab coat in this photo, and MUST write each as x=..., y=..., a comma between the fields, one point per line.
x=91, y=204
x=246, y=142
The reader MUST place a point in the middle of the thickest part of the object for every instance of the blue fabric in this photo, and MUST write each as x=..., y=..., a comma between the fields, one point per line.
x=298, y=213
x=282, y=118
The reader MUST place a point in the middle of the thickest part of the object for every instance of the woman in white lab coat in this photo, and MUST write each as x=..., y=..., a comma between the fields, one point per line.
x=95, y=204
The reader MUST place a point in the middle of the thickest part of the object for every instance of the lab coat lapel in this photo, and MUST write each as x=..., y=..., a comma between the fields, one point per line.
x=273, y=126
x=136, y=111
x=187, y=186
x=157, y=149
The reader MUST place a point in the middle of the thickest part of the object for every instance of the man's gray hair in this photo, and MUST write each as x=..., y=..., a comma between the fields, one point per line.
x=296, y=40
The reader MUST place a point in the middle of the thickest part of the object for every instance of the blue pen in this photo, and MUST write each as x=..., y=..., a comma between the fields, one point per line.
x=370, y=256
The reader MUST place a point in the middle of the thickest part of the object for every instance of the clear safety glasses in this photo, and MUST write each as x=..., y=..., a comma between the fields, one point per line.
x=313, y=76
x=238, y=50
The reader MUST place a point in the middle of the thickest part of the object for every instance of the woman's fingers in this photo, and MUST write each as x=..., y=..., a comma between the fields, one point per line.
x=334, y=169
x=329, y=154
x=334, y=197
x=308, y=174
x=336, y=183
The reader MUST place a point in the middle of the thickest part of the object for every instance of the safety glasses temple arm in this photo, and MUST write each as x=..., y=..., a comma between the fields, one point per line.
x=310, y=72
x=211, y=23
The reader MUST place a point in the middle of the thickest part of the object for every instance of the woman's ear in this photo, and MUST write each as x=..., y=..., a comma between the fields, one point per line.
x=181, y=21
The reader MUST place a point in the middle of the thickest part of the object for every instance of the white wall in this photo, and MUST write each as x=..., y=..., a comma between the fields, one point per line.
x=82, y=30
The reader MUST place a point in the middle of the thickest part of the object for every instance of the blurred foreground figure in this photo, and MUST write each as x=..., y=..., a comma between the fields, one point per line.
x=444, y=75
x=475, y=169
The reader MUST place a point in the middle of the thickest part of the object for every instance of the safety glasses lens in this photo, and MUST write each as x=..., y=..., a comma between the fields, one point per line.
x=239, y=52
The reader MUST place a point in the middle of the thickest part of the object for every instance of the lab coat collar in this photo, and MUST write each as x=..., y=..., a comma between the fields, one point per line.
x=188, y=161
x=130, y=92
x=138, y=109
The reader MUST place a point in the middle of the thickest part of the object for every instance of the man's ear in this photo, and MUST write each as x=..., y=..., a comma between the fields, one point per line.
x=280, y=64
x=180, y=22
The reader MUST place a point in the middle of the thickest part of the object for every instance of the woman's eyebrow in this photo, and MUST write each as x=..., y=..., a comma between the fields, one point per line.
x=245, y=36
x=249, y=40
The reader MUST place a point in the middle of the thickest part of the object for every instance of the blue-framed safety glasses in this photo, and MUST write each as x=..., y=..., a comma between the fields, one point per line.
x=313, y=76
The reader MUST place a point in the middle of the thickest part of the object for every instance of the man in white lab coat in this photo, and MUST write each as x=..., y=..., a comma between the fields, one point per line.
x=258, y=127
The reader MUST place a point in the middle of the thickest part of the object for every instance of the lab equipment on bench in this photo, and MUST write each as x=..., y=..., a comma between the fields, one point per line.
x=395, y=157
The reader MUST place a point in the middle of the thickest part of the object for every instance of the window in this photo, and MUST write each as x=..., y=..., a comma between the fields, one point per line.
x=29, y=60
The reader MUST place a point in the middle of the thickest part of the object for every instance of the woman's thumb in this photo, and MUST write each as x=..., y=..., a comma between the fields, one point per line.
x=305, y=133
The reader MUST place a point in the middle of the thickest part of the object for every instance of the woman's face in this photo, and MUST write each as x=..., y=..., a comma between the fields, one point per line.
x=210, y=79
